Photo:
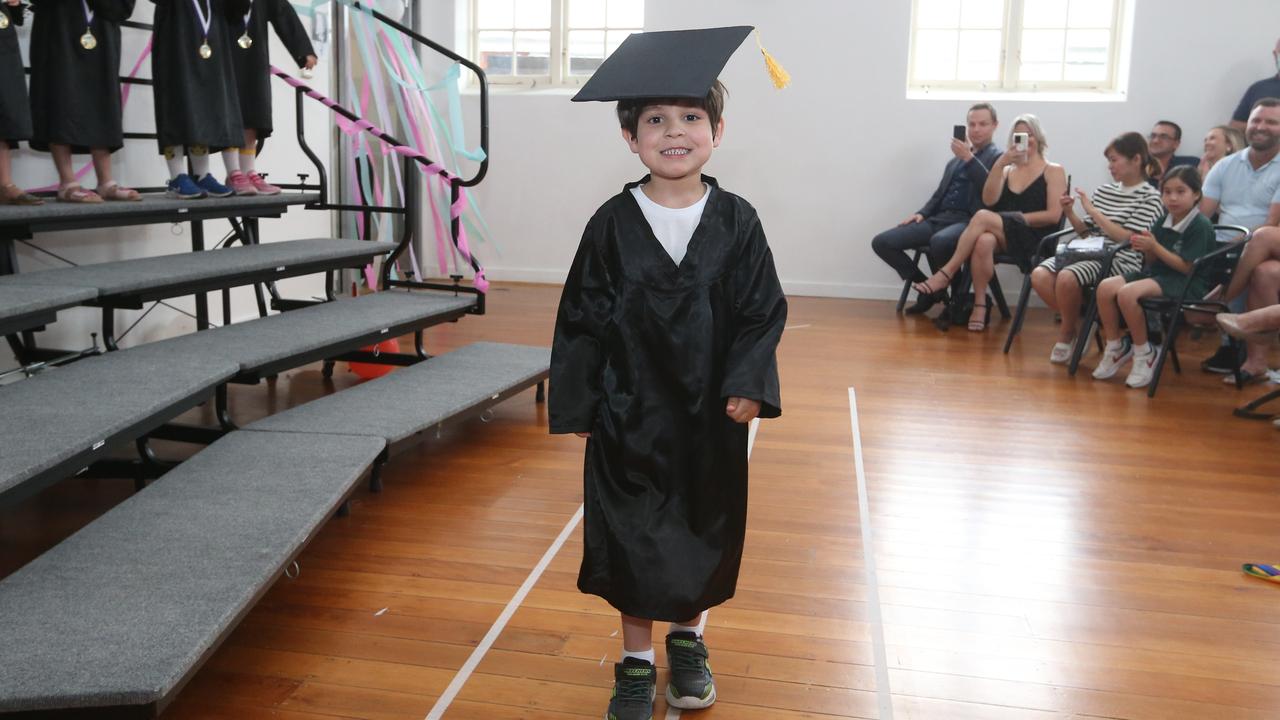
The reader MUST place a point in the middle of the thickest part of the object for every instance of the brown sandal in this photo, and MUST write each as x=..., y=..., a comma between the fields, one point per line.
x=13, y=195
x=114, y=192
x=73, y=193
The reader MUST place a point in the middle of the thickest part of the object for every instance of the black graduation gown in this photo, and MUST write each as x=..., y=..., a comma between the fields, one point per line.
x=75, y=93
x=15, y=111
x=195, y=98
x=644, y=357
x=252, y=78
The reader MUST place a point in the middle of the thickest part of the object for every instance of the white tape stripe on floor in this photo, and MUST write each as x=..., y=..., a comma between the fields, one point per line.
x=883, y=697
x=451, y=692
x=478, y=654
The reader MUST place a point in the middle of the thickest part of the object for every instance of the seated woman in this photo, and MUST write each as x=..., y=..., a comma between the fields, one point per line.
x=1022, y=192
x=1118, y=209
x=1258, y=274
x=1171, y=246
x=1220, y=142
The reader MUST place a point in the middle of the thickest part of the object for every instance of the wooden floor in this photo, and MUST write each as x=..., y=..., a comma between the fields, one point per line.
x=1044, y=547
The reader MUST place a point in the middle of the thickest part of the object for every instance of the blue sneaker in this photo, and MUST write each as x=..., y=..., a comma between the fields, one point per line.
x=183, y=188
x=213, y=188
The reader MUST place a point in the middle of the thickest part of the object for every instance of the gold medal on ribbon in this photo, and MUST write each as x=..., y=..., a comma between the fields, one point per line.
x=88, y=41
x=206, y=52
x=245, y=41
x=4, y=20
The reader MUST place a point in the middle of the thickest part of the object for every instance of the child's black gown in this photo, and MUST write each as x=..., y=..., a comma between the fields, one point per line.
x=15, y=112
x=195, y=98
x=252, y=79
x=644, y=358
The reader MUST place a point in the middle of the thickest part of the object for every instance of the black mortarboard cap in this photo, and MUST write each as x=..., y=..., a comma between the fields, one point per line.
x=667, y=64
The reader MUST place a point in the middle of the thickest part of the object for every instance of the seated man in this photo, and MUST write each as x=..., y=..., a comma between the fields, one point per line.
x=937, y=226
x=1266, y=87
x=1244, y=188
x=1164, y=140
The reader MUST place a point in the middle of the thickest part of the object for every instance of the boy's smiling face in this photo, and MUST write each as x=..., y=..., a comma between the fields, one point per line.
x=674, y=140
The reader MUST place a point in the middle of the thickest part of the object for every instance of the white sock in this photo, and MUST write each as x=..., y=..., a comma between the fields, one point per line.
x=1143, y=349
x=175, y=158
x=1114, y=344
x=247, y=158
x=200, y=164
x=695, y=629
x=231, y=159
x=645, y=655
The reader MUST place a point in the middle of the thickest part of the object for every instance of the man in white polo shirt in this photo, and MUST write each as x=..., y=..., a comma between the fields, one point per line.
x=1244, y=189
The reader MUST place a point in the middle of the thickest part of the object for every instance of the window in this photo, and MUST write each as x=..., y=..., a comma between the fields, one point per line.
x=549, y=42
x=1016, y=45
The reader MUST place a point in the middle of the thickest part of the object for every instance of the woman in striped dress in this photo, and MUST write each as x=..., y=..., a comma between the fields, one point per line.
x=1118, y=210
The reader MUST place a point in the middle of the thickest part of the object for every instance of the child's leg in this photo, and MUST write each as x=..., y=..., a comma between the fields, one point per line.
x=231, y=160
x=6, y=176
x=1127, y=299
x=637, y=638
x=249, y=150
x=1044, y=282
x=175, y=159
x=199, y=161
x=694, y=625
x=62, y=162
x=101, y=166
x=1108, y=310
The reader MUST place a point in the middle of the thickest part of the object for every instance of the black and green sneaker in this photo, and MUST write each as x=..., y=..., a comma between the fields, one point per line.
x=634, y=686
x=691, y=685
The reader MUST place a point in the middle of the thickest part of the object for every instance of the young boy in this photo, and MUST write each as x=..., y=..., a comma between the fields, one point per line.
x=75, y=91
x=664, y=351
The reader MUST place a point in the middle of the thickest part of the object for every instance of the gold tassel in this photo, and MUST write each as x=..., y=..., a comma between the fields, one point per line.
x=781, y=78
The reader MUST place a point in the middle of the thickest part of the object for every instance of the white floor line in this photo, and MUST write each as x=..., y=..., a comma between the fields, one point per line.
x=883, y=697
x=478, y=654
x=451, y=692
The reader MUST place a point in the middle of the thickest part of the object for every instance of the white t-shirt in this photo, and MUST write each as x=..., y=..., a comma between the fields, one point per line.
x=672, y=226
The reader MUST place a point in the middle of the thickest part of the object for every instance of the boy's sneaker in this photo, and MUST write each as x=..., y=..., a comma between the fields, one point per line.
x=1144, y=368
x=690, y=685
x=635, y=684
x=212, y=187
x=183, y=188
x=1224, y=361
x=240, y=184
x=262, y=186
x=1113, y=358
x=1060, y=354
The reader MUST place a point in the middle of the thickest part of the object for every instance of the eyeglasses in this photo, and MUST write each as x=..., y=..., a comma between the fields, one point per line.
x=1160, y=136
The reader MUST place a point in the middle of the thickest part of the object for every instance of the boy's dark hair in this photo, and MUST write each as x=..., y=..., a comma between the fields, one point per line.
x=1177, y=129
x=989, y=108
x=1266, y=102
x=713, y=105
x=1132, y=144
x=1187, y=174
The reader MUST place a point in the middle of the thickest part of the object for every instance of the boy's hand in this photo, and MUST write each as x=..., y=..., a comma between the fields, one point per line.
x=583, y=435
x=1143, y=242
x=310, y=62
x=742, y=410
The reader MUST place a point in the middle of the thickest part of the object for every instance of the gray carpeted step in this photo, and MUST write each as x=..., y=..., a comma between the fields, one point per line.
x=152, y=203
x=183, y=273
x=300, y=336
x=412, y=399
x=27, y=307
x=61, y=419
x=121, y=612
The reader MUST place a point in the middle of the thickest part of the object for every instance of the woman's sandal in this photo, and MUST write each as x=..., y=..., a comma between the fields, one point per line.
x=974, y=325
x=73, y=193
x=114, y=192
x=13, y=195
x=926, y=289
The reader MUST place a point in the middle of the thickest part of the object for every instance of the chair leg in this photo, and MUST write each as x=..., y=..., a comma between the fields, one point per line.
x=1083, y=332
x=1170, y=338
x=1250, y=410
x=999, y=296
x=906, y=285
x=1020, y=313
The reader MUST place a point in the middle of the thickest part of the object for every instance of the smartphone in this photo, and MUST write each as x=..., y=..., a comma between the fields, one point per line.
x=1068, y=186
x=960, y=132
x=1020, y=142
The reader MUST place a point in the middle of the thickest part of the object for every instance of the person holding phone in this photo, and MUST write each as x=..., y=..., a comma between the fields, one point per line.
x=1022, y=192
x=937, y=226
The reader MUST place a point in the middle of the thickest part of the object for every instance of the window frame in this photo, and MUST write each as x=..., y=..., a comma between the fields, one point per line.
x=1009, y=81
x=560, y=75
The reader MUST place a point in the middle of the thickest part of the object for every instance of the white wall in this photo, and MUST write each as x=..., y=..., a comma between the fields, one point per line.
x=140, y=164
x=842, y=153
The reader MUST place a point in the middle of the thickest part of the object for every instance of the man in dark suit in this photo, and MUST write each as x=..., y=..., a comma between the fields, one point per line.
x=937, y=226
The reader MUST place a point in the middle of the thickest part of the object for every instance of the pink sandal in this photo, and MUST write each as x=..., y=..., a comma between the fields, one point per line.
x=114, y=192
x=73, y=193
x=13, y=195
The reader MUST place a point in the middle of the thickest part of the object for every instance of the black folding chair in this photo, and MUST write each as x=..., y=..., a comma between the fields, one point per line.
x=1215, y=268
x=1048, y=247
x=906, y=285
